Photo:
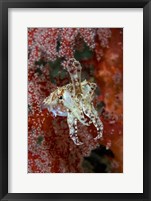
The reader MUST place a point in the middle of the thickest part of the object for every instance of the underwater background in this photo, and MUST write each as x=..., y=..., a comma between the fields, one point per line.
x=100, y=53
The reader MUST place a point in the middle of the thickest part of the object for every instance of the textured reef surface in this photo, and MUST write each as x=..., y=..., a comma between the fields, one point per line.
x=100, y=54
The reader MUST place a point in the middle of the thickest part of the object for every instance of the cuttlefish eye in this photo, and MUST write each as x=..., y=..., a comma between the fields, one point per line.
x=60, y=97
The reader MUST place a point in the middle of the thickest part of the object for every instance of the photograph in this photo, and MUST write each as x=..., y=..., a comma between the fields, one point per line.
x=75, y=99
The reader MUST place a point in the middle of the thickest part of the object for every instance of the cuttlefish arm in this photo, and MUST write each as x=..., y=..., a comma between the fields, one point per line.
x=72, y=123
x=74, y=107
x=92, y=114
x=88, y=107
x=74, y=69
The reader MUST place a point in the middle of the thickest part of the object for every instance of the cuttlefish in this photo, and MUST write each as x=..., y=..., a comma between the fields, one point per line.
x=75, y=101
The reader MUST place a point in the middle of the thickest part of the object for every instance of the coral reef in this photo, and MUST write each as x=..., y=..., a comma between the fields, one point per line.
x=100, y=52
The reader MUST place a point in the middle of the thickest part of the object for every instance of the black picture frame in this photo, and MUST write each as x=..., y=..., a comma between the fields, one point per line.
x=4, y=6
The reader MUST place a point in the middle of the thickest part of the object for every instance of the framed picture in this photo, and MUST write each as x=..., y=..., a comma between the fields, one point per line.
x=75, y=100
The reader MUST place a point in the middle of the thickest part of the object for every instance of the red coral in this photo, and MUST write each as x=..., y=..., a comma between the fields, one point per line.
x=43, y=42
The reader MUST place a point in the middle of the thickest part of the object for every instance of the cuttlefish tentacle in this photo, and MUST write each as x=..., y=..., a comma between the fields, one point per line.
x=72, y=123
x=74, y=69
x=99, y=127
x=93, y=115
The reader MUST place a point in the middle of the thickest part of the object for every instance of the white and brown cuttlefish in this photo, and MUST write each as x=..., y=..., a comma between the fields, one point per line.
x=74, y=101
